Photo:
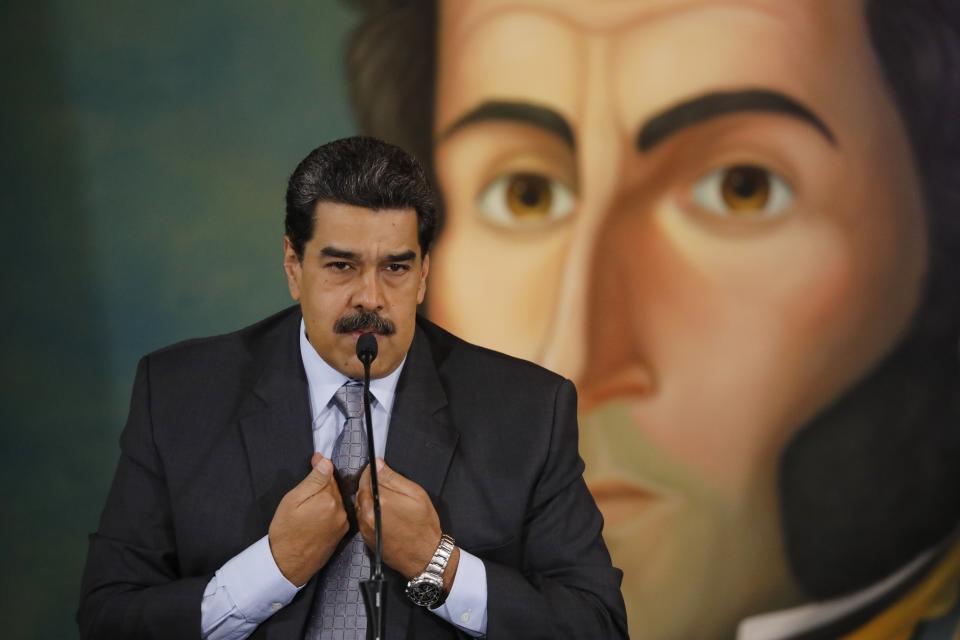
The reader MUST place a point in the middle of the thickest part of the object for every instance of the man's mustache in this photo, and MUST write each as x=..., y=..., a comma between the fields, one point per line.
x=365, y=322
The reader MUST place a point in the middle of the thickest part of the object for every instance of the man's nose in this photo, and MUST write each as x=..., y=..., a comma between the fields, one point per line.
x=369, y=292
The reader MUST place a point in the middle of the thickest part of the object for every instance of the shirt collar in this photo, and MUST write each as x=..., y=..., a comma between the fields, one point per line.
x=324, y=381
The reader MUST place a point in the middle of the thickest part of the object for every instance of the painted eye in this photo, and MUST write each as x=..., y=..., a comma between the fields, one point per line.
x=521, y=199
x=743, y=191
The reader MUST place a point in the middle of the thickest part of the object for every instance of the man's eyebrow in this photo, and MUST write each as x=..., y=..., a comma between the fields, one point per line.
x=721, y=103
x=515, y=111
x=405, y=256
x=333, y=252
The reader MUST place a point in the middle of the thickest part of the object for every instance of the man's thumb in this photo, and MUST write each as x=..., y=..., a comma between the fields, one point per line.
x=322, y=470
x=390, y=478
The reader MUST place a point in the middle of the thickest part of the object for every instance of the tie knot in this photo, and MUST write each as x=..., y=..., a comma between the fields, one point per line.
x=349, y=399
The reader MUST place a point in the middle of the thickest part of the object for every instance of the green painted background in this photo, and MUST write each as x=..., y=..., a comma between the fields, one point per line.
x=145, y=150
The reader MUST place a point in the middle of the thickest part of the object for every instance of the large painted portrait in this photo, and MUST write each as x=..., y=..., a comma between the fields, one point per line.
x=736, y=226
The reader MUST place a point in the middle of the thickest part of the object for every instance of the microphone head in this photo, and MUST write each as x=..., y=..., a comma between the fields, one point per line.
x=367, y=348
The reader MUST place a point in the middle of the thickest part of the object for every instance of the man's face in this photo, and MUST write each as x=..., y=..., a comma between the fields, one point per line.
x=359, y=262
x=705, y=213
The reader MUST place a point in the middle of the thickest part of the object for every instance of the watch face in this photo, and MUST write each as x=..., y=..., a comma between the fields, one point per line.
x=422, y=592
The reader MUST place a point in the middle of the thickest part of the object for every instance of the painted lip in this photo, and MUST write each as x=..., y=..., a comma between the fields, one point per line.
x=621, y=501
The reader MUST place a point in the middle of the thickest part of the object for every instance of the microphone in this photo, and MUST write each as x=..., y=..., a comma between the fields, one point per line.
x=374, y=589
x=367, y=351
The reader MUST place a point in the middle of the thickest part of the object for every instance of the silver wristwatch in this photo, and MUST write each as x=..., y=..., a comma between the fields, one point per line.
x=426, y=589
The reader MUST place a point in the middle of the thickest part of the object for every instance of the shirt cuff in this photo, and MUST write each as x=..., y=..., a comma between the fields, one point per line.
x=466, y=605
x=254, y=582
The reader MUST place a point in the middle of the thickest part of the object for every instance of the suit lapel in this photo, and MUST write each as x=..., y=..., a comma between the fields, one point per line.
x=421, y=441
x=275, y=423
x=420, y=444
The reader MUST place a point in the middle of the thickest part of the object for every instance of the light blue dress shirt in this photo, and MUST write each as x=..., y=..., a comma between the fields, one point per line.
x=249, y=588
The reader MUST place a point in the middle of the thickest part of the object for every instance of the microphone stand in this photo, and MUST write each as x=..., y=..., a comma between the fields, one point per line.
x=374, y=589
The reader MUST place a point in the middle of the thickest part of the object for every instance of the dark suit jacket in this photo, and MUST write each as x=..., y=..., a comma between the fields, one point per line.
x=219, y=431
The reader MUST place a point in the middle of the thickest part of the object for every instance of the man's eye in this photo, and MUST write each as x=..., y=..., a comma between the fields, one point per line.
x=398, y=267
x=338, y=266
x=520, y=199
x=742, y=191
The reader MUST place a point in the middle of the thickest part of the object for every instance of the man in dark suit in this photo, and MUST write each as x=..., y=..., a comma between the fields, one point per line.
x=217, y=527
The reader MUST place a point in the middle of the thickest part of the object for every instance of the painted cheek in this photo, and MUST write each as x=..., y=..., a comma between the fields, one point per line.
x=495, y=288
x=735, y=325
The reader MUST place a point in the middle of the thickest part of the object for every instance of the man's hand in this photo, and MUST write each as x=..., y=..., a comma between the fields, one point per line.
x=308, y=524
x=411, y=527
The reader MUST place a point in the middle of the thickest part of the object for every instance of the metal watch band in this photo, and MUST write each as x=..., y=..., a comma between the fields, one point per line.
x=441, y=556
x=426, y=589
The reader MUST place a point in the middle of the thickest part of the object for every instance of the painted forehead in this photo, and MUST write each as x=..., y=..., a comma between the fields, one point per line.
x=612, y=15
x=649, y=56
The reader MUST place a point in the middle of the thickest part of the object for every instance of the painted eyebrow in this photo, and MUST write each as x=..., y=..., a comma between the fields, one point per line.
x=515, y=111
x=333, y=252
x=406, y=256
x=714, y=105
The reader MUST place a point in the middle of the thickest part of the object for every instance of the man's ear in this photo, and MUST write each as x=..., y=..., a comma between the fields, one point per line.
x=293, y=267
x=422, y=289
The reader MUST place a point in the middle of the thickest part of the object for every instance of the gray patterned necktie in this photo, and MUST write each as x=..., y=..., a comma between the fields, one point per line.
x=338, y=612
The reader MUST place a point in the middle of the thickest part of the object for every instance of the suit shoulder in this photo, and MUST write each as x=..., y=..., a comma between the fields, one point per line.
x=451, y=351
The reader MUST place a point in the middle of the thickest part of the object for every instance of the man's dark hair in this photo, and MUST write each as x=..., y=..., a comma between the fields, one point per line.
x=363, y=172
x=885, y=457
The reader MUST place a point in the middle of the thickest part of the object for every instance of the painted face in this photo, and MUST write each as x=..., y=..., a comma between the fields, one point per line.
x=359, y=262
x=706, y=214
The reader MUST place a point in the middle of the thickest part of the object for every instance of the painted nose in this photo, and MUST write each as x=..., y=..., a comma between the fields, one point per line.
x=565, y=347
x=591, y=321
x=594, y=339
x=617, y=362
